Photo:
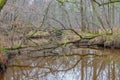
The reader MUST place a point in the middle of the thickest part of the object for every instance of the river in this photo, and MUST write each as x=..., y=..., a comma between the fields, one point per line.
x=71, y=64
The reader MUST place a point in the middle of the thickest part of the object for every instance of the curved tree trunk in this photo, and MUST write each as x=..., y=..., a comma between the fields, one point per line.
x=2, y=3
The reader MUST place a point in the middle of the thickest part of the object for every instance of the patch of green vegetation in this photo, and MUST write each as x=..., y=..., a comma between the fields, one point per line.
x=92, y=35
x=65, y=41
x=5, y=50
x=15, y=47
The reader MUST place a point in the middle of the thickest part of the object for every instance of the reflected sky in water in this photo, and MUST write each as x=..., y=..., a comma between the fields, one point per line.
x=77, y=64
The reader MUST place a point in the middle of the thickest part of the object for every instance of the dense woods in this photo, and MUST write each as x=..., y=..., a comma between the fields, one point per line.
x=54, y=29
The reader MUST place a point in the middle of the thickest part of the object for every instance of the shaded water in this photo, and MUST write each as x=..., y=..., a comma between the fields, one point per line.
x=75, y=64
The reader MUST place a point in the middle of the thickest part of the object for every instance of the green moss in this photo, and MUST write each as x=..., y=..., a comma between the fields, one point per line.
x=5, y=50
x=92, y=35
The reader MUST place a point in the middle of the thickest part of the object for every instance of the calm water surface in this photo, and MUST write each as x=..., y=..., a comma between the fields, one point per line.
x=71, y=64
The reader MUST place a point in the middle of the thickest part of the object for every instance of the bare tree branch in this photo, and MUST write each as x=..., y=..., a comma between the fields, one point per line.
x=106, y=3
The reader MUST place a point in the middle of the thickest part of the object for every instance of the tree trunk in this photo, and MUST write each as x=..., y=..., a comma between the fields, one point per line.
x=2, y=3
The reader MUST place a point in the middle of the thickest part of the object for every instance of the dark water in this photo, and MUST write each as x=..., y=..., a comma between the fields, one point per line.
x=72, y=64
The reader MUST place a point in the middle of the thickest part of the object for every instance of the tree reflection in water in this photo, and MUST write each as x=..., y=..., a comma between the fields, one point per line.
x=80, y=64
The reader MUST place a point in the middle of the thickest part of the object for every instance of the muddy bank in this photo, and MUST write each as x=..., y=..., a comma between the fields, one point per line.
x=104, y=41
x=107, y=41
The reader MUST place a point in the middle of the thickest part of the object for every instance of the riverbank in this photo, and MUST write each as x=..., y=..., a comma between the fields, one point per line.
x=44, y=40
x=107, y=41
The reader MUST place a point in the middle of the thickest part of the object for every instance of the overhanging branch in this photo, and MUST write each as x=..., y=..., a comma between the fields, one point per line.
x=106, y=3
